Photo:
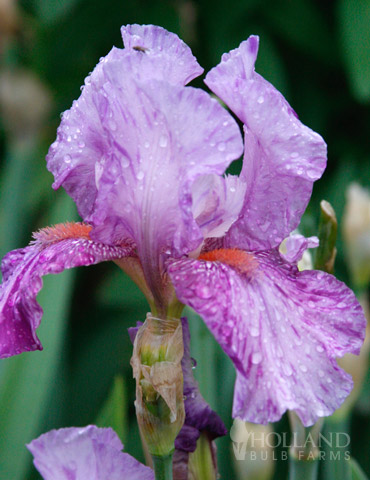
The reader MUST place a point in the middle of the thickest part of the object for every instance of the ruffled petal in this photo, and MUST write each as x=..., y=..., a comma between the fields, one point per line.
x=282, y=156
x=282, y=328
x=216, y=203
x=52, y=252
x=162, y=52
x=130, y=171
x=85, y=453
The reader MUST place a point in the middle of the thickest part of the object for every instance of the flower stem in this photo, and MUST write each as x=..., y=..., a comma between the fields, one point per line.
x=162, y=467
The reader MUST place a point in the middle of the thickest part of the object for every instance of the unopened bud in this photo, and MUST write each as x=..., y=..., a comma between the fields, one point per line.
x=326, y=251
x=25, y=102
x=356, y=233
x=156, y=363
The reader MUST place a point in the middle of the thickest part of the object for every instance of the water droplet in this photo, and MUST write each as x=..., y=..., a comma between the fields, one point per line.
x=260, y=99
x=319, y=349
x=163, y=141
x=81, y=144
x=254, y=332
x=221, y=147
x=204, y=292
x=69, y=138
x=256, y=358
x=303, y=368
x=125, y=162
x=140, y=175
x=67, y=159
x=146, y=144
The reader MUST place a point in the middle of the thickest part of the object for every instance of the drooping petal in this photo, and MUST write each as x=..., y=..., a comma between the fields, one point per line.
x=169, y=56
x=216, y=203
x=55, y=249
x=282, y=156
x=282, y=329
x=85, y=453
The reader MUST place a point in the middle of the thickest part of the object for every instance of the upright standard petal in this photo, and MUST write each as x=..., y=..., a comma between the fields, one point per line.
x=54, y=250
x=282, y=156
x=282, y=328
x=169, y=56
x=130, y=172
x=85, y=453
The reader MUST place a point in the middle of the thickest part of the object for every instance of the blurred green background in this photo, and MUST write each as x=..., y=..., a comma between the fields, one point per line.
x=316, y=53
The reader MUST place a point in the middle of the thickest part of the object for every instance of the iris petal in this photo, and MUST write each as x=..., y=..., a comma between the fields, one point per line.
x=282, y=329
x=22, y=269
x=85, y=453
x=282, y=157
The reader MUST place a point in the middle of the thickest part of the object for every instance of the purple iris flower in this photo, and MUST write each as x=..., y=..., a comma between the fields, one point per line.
x=143, y=156
x=85, y=453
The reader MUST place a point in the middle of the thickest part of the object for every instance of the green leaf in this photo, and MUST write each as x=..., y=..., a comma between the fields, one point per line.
x=354, y=21
x=356, y=470
x=52, y=11
x=114, y=411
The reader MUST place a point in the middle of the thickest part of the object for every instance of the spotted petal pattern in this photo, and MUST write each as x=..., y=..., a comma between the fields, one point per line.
x=283, y=330
x=85, y=453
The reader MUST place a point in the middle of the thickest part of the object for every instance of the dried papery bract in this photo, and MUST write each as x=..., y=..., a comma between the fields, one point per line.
x=156, y=363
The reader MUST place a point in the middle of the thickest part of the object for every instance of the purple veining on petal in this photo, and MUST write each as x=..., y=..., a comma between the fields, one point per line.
x=169, y=55
x=282, y=157
x=282, y=329
x=85, y=453
x=296, y=245
x=129, y=150
x=20, y=314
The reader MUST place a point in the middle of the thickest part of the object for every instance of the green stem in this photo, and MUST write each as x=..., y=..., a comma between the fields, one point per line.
x=162, y=467
x=300, y=469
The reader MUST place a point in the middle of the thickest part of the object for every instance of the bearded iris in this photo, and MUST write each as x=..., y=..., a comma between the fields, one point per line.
x=143, y=156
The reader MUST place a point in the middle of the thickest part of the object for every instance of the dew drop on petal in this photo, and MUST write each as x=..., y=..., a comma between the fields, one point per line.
x=140, y=175
x=163, y=141
x=67, y=159
x=221, y=147
x=256, y=358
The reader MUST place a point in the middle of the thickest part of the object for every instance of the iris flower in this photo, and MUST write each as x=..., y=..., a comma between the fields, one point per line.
x=144, y=158
x=85, y=453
